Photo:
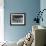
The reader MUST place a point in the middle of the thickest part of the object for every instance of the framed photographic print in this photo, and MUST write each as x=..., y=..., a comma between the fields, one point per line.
x=17, y=19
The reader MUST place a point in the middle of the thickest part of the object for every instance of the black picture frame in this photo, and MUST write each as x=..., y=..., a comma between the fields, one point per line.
x=17, y=19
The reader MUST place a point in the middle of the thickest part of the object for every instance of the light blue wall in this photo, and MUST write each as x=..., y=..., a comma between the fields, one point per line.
x=30, y=7
x=43, y=6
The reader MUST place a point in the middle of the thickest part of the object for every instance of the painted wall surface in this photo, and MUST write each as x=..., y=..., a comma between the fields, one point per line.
x=43, y=6
x=30, y=7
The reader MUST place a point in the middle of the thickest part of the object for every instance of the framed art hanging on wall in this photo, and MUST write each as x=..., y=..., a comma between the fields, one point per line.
x=17, y=19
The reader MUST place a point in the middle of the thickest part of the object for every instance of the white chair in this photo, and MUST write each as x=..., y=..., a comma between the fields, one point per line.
x=39, y=35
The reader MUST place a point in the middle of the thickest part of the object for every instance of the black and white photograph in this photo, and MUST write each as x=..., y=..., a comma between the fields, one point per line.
x=17, y=18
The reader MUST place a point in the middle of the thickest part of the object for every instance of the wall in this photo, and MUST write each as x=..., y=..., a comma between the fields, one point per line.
x=30, y=7
x=43, y=6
